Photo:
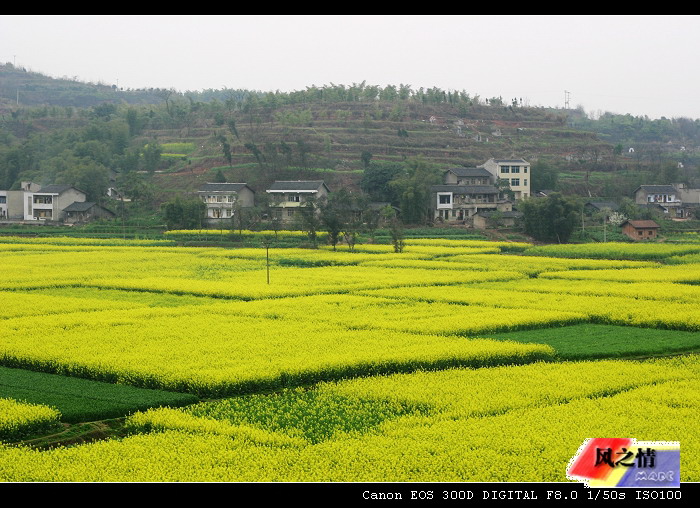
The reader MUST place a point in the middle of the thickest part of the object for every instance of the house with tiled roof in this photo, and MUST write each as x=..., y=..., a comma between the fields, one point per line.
x=85, y=211
x=468, y=191
x=287, y=196
x=222, y=199
x=676, y=200
x=640, y=229
x=35, y=202
x=468, y=176
x=459, y=203
x=515, y=171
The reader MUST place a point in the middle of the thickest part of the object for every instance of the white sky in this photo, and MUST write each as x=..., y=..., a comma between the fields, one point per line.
x=642, y=65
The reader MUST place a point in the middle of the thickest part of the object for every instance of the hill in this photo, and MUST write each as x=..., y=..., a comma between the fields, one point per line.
x=66, y=131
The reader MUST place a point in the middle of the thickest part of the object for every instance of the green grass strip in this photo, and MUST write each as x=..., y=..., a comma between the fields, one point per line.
x=592, y=341
x=81, y=400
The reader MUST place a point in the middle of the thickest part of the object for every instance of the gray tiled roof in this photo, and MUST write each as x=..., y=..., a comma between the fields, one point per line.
x=79, y=206
x=658, y=189
x=222, y=187
x=465, y=189
x=470, y=172
x=296, y=185
x=604, y=204
x=642, y=223
x=506, y=215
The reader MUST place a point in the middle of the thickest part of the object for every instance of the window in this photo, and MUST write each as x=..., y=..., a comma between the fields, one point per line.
x=524, y=169
x=231, y=198
x=444, y=199
x=294, y=198
x=515, y=169
x=42, y=200
x=290, y=213
x=640, y=233
x=505, y=169
x=515, y=181
x=3, y=199
x=525, y=182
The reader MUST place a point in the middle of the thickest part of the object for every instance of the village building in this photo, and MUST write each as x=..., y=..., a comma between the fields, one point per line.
x=459, y=203
x=222, y=200
x=468, y=191
x=33, y=202
x=85, y=211
x=516, y=171
x=288, y=196
x=640, y=229
x=675, y=200
x=488, y=219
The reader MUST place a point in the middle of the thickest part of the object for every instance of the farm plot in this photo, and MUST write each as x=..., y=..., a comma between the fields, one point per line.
x=405, y=427
x=205, y=321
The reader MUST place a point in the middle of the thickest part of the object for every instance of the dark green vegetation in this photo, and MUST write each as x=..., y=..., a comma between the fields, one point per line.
x=313, y=415
x=591, y=341
x=77, y=433
x=81, y=400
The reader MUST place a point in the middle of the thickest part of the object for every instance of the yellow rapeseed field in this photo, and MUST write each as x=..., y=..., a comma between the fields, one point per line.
x=364, y=365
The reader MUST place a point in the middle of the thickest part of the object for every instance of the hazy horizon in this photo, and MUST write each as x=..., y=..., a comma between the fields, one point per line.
x=641, y=65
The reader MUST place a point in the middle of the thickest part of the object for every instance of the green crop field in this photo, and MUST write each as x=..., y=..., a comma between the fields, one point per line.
x=80, y=400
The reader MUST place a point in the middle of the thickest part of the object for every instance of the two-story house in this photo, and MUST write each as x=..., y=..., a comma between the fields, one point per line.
x=664, y=197
x=33, y=202
x=515, y=171
x=676, y=200
x=222, y=199
x=287, y=196
x=50, y=201
x=461, y=202
x=468, y=176
x=466, y=192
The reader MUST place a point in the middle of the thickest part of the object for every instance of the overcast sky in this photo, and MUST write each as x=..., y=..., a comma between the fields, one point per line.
x=642, y=65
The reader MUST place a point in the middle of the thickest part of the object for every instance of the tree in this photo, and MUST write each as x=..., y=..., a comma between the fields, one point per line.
x=226, y=148
x=395, y=228
x=669, y=173
x=233, y=129
x=182, y=213
x=151, y=156
x=136, y=188
x=550, y=219
x=309, y=218
x=89, y=176
x=219, y=177
x=366, y=157
x=132, y=120
x=332, y=217
x=376, y=180
x=413, y=188
x=256, y=152
x=543, y=176
x=503, y=186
